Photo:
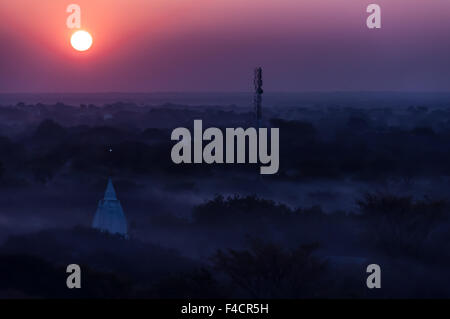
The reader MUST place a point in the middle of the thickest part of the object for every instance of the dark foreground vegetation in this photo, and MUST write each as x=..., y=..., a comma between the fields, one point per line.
x=277, y=253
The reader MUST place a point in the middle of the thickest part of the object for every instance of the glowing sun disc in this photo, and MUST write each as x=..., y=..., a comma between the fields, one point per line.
x=81, y=40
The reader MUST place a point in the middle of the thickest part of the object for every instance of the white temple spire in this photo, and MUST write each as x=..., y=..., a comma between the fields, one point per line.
x=110, y=193
x=110, y=216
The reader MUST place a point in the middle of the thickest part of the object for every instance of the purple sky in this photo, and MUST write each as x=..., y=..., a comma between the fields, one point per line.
x=213, y=45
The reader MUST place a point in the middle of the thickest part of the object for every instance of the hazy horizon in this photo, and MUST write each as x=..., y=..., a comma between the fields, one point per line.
x=240, y=99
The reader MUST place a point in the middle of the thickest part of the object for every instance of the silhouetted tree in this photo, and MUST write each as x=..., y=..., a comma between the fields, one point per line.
x=400, y=225
x=268, y=271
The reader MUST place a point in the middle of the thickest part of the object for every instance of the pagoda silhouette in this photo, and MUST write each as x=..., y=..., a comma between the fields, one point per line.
x=109, y=216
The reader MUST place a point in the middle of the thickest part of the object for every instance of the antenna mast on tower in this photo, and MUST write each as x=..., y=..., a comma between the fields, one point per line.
x=258, y=96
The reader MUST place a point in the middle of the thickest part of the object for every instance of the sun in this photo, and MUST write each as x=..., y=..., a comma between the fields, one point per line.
x=81, y=40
